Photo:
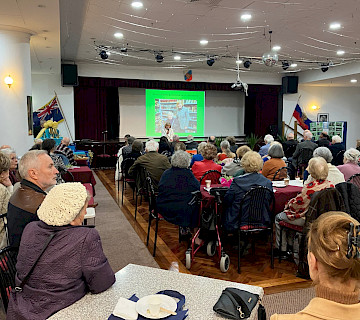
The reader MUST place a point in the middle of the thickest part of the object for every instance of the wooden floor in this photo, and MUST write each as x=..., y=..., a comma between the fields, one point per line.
x=255, y=268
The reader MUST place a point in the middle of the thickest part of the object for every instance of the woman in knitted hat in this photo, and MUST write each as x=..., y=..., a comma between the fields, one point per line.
x=72, y=264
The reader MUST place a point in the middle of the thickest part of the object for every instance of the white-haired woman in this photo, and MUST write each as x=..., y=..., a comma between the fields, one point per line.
x=350, y=166
x=72, y=264
x=13, y=172
x=265, y=149
x=336, y=146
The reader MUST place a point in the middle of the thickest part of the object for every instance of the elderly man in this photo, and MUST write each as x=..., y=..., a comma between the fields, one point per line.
x=265, y=149
x=299, y=155
x=64, y=149
x=176, y=139
x=154, y=162
x=39, y=174
x=323, y=140
x=190, y=143
x=289, y=145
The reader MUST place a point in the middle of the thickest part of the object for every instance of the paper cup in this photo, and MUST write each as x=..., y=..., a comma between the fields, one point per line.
x=208, y=183
x=286, y=181
x=154, y=306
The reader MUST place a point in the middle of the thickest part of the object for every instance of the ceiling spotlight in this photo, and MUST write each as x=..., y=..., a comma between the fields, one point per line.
x=103, y=55
x=159, y=58
x=210, y=61
x=285, y=65
x=177, y=57
x=245, y=17
x=118, y=35
x=340, y=52
x=293, y=65
x=204, y=42
x=137, y=4
x=353, y=80
x=276, y=48
x=239, y=61
x=247, y=64
x=123, y=49
x=324, y=67
x=335, y=26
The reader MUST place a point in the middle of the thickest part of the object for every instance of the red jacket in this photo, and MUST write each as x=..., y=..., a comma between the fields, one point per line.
x=200, y=167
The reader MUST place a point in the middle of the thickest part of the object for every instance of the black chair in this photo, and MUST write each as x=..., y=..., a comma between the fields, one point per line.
x=257, y=199
x=304, y=157
x=67, y=176
x=290, y=150
x=339, y=158
x=282, y=173
x=126, y=178
x=140, y=186
x=212, y=175
x=7, y=273
x=355, y=179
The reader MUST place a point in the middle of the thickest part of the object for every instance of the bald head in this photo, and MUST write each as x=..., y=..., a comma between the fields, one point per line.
x=65, y=141
x=290, y=136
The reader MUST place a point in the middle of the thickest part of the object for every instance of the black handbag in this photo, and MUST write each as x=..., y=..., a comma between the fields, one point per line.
x=237, y=304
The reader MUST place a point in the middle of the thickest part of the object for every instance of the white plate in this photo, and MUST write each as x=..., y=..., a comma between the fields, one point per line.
x=167, y=302
x=279, y=184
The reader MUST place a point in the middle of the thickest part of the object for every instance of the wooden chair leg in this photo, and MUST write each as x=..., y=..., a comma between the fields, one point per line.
x=272, y=248
x=122, y=191
x=136, y=203
x=280, y=243
x=149, y=225
x=156, y=233
x=239, y=250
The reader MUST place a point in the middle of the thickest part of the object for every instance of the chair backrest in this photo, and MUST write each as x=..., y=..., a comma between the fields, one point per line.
x=7, y=273
x=256, y=202
x=339, y=158
x=212, y=175
x=151, y=192
x=281, y=174
x=125, y=166
x=67, y=176
x=305, y=155
x=355, y=179
x=290, y=150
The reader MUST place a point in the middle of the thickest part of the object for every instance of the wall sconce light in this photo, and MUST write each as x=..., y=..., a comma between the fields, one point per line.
x=9, y=81
x=315, y=107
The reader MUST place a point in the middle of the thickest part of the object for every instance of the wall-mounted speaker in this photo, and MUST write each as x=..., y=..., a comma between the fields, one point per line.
x=69, y=75
x=290, y=84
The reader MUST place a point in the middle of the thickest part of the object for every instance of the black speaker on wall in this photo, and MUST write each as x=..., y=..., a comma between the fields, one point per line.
x=290, y=84
x=69, y=75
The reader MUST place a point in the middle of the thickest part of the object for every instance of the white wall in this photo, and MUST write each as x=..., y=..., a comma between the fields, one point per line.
x=342, y=104
x=224, y=112
x=43, y=87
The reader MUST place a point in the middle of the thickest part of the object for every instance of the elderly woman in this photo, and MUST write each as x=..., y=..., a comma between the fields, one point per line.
x=276, y=162
x=13, y=171
x=168, y=132
x=296, y=208
x=225, y=151
x=234, y=168
x=5, y=193
x=334, y=175
x=198, y=156
x=336, y=146
x=175, y=187
x=350, y=166
x=264, y=149
x=200, y=167
x=49, y=146
x=334, y=268
x=252, y=163
x=72, y=264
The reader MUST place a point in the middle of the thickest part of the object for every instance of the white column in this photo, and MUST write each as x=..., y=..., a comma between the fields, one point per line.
x=15, y=61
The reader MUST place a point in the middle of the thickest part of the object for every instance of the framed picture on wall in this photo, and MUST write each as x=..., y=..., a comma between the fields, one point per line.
x=322, y=117
x=30, y=115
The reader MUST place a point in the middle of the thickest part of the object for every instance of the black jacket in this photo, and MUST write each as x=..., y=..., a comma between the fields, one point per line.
x=351, y=196
x=289, y=147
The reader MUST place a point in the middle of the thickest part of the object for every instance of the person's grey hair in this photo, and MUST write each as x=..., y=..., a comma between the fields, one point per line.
x=137, y=146
x=336, y=139
x=130, y=140
x=268, y=138
x=318, y=168
x=176, y=138
x=201, y=147
x=29, y=161
x=38, y=141
x=231, y=140
x=225, y=144
x=180, y=159
x=8, y=151
x=152, y=145
x=308, y=135
x=276, y=151
x=323, y=152
x=352, y=155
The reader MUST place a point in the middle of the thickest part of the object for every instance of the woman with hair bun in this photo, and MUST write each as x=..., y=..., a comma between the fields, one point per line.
x=334, y=265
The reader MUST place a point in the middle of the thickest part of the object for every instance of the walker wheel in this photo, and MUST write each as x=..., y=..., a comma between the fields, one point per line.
x=211, y=248
x=188, y=259
x=224, y=263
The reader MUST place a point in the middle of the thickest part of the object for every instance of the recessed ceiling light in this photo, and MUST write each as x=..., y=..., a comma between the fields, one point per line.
x=335, y=26
x=137, y=4
x=293, y=65
x=108, y=53
x=177, y=57
x=246, y=17
x=118, y=35
x=239, y=61
x=204, y=42
x=353, y=80
x=340, y=52
x=276, y=48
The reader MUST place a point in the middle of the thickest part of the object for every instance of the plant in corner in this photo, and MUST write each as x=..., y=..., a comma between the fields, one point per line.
x=252, y=140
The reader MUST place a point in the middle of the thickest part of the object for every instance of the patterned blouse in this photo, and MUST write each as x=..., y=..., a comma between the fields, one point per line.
x=296, y=207
x=60, y=166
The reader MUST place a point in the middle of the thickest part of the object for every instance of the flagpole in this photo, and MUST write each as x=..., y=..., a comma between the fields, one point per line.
x=292, y=116
x=57, y=99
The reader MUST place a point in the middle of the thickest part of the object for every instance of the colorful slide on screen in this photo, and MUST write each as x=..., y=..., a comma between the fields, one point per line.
x=184, y=110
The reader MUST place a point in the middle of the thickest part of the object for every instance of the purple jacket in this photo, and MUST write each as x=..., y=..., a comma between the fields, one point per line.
x=73, y=264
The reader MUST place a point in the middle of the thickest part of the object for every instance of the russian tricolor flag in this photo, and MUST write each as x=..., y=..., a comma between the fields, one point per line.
x=301, y=117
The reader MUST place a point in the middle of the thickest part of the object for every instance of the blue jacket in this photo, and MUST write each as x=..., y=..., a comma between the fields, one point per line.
x=235, y=194
x=175, y=187
x=196, y=157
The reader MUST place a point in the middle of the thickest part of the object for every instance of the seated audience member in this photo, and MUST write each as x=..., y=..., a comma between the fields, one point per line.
x=200, y=167
x=73, y=262
x=39, y=173
x=136, y=149
x=289, y=144
x=334, y=175
x=296, y=208
x=164, y=145
x=63, y=147
x=212, y=140
x=323, y=140
x=232, y=141
x=37, y=144
x=49, y=146
x=252, y=163
x=13, y=172
x=180, y=146
x=120, y=158
x=175, y=140
x=190, y=143
x=350, y=166
x=234, y=168
x=168, y=132
x=154, y=162
x=306, y=144
x=334, y=267
x=265, y=149
x=5, y=193
x=336, y=145
x=198, y=156
x=225, y=151
x=175, y=187
x=127, y=149
x=276, y=162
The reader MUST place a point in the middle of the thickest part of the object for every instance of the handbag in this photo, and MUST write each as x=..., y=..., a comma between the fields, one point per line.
x=237, y=304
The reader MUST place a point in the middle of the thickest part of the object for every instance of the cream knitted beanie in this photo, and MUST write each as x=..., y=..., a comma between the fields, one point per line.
x=62, y=204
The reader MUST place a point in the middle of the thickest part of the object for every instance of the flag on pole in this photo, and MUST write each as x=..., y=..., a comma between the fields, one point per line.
x=188, y=75
x=50, y=111
x=301, y=117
